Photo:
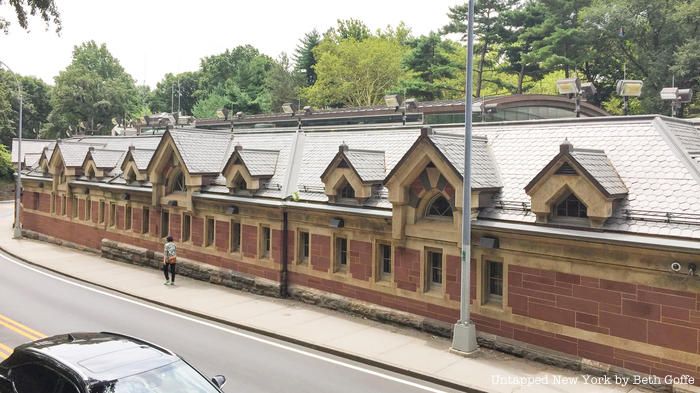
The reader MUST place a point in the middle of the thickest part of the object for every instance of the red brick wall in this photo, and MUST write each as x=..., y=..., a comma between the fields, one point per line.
x=197, y=234
x=320, y=252
x=175, y=229
x=137, y=219
x=120, y=217
x=81, y=209
x=154, y=222
x=95, y=211
x=360, y=259
x=222, y=235
x=69, y=207
x=250, y=241
x=45, y=202
x=407, y=266
x=277, y=246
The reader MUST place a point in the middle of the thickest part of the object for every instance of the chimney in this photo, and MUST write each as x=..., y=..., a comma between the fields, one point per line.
x=343, y=147
x=426, y=131
x=132, y=147
x=238, y=147
x=566, y=146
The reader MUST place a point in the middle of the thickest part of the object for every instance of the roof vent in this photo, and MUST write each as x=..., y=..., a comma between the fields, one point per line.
x=343, y=147
x=132, y=147
x=238, y=147
x=566, y=146
x=425, y=131
x=566, y=169
x=91, y=148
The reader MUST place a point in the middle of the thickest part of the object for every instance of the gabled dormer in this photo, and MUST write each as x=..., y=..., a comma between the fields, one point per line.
x=42, y=164
x=247, y=169
x=350, y=175
x=98, y=163
x=135, y=164
x=578, y=186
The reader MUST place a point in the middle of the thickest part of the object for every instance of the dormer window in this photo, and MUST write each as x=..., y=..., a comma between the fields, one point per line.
x=91, y=173
x=240, y=184
x=179, y=183
x=346, y=191
x=439, y=207
x=571, y=207
x=131, y=177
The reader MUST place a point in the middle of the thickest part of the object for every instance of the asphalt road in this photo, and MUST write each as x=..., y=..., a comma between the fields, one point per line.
x=48, y=304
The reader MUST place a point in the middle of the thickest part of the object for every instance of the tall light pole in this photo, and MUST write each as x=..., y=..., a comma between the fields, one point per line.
x=17, y=234
x=464, y=335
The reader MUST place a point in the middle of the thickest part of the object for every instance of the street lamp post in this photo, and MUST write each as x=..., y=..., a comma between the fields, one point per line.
x=464, y=335
x=17, y=234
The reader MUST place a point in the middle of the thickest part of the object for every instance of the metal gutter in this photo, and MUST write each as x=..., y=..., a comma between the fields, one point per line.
x=112, y=186
x=600, y=237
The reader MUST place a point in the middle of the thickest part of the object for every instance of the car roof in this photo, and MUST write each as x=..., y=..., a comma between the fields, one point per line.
x=101, y=356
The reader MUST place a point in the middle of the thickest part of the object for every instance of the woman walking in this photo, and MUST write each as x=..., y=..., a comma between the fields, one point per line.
x=169, y=261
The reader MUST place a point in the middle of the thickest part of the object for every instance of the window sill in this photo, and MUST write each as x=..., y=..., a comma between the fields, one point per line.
x=494, y=306
x=437, y=293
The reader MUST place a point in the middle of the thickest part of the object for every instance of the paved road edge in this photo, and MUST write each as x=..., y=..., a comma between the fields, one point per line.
x=263, y=332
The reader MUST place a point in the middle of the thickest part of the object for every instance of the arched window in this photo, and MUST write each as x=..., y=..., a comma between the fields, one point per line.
x=346, y=191
x=239, y=184
x=91, y=173
x=571, y=207
x=178, y=183
x=131, y=176
x=439, y=207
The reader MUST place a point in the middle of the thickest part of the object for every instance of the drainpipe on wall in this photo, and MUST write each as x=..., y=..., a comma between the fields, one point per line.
x=285, y=254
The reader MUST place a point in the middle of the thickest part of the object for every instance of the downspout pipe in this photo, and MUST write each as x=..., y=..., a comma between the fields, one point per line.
x=285, y=255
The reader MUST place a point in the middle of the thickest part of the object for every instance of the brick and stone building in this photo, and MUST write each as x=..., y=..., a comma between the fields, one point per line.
x=586, y=232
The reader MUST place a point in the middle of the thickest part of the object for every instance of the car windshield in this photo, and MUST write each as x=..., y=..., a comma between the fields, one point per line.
x=173, y=378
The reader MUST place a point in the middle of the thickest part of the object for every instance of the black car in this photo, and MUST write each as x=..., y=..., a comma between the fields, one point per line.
x=100, y=363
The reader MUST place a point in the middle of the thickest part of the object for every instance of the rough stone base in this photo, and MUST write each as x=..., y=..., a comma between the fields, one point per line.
x=199, y=271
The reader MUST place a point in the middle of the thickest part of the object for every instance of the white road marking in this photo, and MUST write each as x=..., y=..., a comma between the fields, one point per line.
x=240, y=334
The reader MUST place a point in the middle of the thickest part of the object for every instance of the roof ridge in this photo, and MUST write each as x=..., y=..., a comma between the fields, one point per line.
x=368, y=151
x=582, y=150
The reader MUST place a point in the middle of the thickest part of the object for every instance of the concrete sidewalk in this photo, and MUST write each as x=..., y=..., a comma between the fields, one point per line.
x=376, y=343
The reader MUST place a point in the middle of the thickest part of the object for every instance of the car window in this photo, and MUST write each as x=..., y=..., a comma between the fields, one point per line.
x=173, y=378
x=33, y=378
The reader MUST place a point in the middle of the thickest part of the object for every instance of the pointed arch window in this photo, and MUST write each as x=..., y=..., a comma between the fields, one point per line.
x=178, y=183
x=571, y=207
x=346, y=191
x=91, y=173
x=130, y=177
x=439, y=207
x=239, y=184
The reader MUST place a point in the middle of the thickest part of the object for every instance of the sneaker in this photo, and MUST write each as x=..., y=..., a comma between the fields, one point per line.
x=172, y=283
x=167, y=282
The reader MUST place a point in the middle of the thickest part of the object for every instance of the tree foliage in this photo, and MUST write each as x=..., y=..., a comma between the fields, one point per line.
x=183, y=86
x=92, y=91
x=45, y=9
x=304, y=59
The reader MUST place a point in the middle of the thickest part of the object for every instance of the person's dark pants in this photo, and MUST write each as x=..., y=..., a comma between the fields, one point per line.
x=171, y=267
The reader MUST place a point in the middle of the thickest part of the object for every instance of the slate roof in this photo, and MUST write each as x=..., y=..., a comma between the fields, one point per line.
x=106, y=159
x=643, y=150
x=31, y=159
x=74, y=153
x=484, y=171
x=30, y=146
x=260, y=163
x=203, y=152
x=142, y=157
x=370, y=165
x=597, y=164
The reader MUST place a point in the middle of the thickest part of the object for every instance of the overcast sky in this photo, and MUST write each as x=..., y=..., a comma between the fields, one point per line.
x=153, y=37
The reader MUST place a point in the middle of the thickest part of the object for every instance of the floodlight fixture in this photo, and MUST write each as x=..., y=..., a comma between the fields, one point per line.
x=307, y=110
x=685, y=95
x=669, y=93
x=411, y=104
x=239, y=114
x=569, y=86
x=491, y=108
x=588, y=89
x=287, y=108
x=392, y=101
x=629, y=88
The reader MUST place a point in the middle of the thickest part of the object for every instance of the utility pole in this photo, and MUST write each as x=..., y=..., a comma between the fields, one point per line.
x=464, y=336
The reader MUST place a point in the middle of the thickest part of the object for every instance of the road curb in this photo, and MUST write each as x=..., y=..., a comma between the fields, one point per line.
x=263, y=332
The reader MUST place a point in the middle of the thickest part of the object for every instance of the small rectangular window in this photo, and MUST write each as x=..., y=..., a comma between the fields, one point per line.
x=101, y=212
x=112, y=214
x=341, y=253
x=304, y=247
x=186, y=227
x=64, y=206
x=235, y=236
x=209, y=232
x=146, y=220
x=164, y=223
x=127, y=218
x=53, y=203
x=384, y=260
x=35, y=201
x=265, y=242
x=434, y=262
x=88, y=209
x=494, y=282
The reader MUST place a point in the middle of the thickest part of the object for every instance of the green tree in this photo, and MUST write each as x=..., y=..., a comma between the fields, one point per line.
x=208, y=107
x=489, y=26
x=7, y=126
x=434, y=71
x=356, y=73
x=46, y=9
x=282, y=83
x=6, y=168
x=35, y=106
x=240, y=76
x=164, y=97
x=92, y=91
x=352, y=28
x=304, y=59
